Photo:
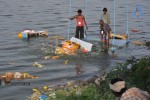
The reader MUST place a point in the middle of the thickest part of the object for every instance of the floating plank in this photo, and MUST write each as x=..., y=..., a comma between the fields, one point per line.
x=119, y=36
x=86, y=45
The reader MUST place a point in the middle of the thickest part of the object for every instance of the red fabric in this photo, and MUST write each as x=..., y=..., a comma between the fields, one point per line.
x=80, y=21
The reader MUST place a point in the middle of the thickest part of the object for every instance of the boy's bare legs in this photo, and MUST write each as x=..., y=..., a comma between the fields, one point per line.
x=101, y=37
x=102, y=40
x=107, y=39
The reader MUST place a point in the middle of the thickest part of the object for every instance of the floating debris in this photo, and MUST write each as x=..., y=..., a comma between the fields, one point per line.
x=31, y=33
x=138, y=43
x=47, y=57
x=84, y=50
x=55, y=57
x=141, y=43
x=8, y=76
x=36, y=64
x=57, y=37
x=28, y=76
x=18, y=75
x=66, y=62
x=68, y=48
x=134, y=30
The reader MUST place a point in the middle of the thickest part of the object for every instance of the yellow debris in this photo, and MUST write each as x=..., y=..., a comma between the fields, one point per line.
x=35, y=90
x=119, y=36
x=59, y=50
x=66, y=62
x=57, y=37
x=20, y=35
x=45, y=87
x=55, y=57
x=68, y=48
x=26, y=75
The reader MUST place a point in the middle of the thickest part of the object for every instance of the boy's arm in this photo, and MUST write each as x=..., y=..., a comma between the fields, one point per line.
x=85, y=23
x=99, y=25
x=71, y=18
x=108, y=19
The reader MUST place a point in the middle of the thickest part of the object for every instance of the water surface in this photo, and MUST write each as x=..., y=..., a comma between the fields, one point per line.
x=18, y=55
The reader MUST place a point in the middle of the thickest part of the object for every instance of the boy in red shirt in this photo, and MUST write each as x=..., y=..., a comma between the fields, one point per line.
x=80, y=22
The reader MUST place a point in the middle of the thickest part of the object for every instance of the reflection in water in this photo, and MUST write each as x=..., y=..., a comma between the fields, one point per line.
x=137, y=12
x=78, y=69
x=104, y=48
x=105, y=62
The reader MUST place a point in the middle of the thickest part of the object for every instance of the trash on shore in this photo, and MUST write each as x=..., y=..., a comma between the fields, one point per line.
x=43, y=97
x=74, y=86
x=35, y=96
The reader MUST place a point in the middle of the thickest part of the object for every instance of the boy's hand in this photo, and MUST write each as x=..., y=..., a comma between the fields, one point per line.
x=70, y=18
x=86, y=28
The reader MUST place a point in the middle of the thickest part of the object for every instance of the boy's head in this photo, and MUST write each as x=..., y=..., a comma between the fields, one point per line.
x=105, y=10
x=118, y=86
x=79, y=11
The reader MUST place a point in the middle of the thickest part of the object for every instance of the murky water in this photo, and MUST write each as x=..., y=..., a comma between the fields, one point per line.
x=18, y=55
